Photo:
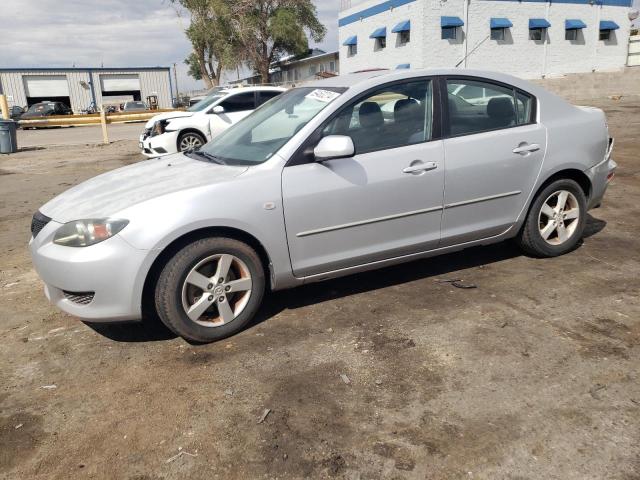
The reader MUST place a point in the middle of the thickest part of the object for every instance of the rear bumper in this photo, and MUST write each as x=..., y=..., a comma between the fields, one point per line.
x=600, y=176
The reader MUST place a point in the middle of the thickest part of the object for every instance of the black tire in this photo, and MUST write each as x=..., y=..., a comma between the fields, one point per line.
x=169, y=289
x=530, y=238
x=186, y=136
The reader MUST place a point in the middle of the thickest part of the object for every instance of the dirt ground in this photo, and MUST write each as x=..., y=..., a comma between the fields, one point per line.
x=533, y=375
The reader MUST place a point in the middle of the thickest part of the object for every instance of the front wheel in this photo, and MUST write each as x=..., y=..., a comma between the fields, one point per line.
x=556, y=221
x=190, y=141
x=211, y=289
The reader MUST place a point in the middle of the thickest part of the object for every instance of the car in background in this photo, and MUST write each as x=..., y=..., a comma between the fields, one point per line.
x=135, y=106
x=298, y=192
x=15, y=112
x=46, y=109
x=173, y=132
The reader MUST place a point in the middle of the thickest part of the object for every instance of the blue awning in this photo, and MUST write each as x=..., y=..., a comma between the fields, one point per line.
x=538, y=23
x=451, y=22
x=351, y=41
x=608, y=25
x=403, y=66
x=379, y=33
x=574, y=24
x=402, y=27
x=501, y=23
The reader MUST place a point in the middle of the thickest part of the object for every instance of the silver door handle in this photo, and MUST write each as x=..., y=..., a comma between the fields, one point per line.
x=524, y=149
x=420, y=167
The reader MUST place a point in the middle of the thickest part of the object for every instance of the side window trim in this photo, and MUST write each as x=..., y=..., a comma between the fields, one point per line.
x=444, y=105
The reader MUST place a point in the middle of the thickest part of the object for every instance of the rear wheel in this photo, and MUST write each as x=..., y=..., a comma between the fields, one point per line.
x=190, y=141
x=556, y=220
x=210, y=289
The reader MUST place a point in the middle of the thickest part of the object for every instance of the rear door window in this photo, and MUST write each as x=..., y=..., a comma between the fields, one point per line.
x=240, y=102
x=476, y=106
x=265, y=96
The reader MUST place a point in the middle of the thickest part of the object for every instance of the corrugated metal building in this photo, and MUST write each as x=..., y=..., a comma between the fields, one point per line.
x=79, y=87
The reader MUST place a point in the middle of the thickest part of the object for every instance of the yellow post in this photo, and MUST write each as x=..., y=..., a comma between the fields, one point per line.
x=103, y=122
x=4, y=106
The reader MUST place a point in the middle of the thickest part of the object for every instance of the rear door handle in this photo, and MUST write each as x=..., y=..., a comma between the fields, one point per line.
x=418, y=167
x=525, y=148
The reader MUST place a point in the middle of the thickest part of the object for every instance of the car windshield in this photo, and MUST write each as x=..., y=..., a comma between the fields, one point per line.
x=204, y=103
x=256, y=138
x=41, y=108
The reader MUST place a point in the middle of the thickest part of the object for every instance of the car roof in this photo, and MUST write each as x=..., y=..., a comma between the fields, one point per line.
x=366, y=79
x=250, y=89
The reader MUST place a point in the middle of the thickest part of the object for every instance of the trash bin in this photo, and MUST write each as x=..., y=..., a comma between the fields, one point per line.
x=8, y=136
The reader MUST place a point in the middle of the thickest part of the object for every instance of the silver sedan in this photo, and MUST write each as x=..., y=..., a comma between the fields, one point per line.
x=339, y=176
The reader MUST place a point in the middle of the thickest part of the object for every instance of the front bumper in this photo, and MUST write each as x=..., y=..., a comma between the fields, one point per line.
x=96, y=283
x=159, y=145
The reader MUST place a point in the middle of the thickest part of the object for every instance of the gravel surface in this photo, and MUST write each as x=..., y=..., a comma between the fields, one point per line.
x=389, y=374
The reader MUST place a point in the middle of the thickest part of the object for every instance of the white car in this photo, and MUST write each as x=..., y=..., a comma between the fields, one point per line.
x=173, y=132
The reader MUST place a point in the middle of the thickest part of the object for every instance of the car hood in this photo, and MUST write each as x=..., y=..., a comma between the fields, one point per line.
x=166, y=116
x=109, y=193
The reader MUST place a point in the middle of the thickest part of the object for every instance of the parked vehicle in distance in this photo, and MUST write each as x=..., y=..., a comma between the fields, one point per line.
x=15, y=112
x=46, y=109
x=172, y=132
x=135, y=106
x=318, y=184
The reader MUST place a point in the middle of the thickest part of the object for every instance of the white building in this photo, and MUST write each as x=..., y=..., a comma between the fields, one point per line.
x=528, y=38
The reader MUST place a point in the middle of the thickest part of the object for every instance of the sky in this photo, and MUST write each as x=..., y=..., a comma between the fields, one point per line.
x=113, y=33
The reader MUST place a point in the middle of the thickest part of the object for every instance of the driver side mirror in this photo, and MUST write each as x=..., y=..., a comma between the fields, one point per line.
x=333, y=147
x=218, y=109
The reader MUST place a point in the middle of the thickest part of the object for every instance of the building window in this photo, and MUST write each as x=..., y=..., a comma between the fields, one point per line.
x=571, y=35
x=537, y=34
x=381, y=43
x=498, y=33
x=605, y=35
x=312, y=70
x=332, y=66
x=353, y=50
x=405, y=37
x=449, y=33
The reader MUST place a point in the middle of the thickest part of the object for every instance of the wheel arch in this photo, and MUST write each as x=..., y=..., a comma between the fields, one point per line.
x=566, y=173
x=151, y=278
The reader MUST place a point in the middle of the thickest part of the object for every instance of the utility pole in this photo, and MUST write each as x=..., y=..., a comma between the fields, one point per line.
x=175, y=76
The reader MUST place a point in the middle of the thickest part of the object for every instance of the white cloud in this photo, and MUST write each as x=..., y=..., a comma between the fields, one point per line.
x=116, y=33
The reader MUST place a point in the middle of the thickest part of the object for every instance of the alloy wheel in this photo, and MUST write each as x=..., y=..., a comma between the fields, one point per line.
x=216, y=290
x=190, y=142
x=559, y=217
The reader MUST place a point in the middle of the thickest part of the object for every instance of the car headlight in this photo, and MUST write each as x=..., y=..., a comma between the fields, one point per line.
x=158, y=128
x=83, y=233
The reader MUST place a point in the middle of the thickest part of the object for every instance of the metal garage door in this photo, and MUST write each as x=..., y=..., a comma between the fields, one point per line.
x=48, y=86
x=120, y=83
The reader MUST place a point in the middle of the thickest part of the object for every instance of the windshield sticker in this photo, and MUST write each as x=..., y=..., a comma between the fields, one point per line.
x=324, y=96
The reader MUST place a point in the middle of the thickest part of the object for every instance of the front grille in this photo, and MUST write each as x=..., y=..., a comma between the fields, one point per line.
x=81, y=298
x=38, y=222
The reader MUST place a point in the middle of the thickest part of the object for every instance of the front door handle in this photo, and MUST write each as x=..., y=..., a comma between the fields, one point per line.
x=524, y=148
x=418, y=167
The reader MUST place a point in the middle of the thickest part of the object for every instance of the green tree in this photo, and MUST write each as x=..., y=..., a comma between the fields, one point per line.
x=269, y=29
x=216, y=44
